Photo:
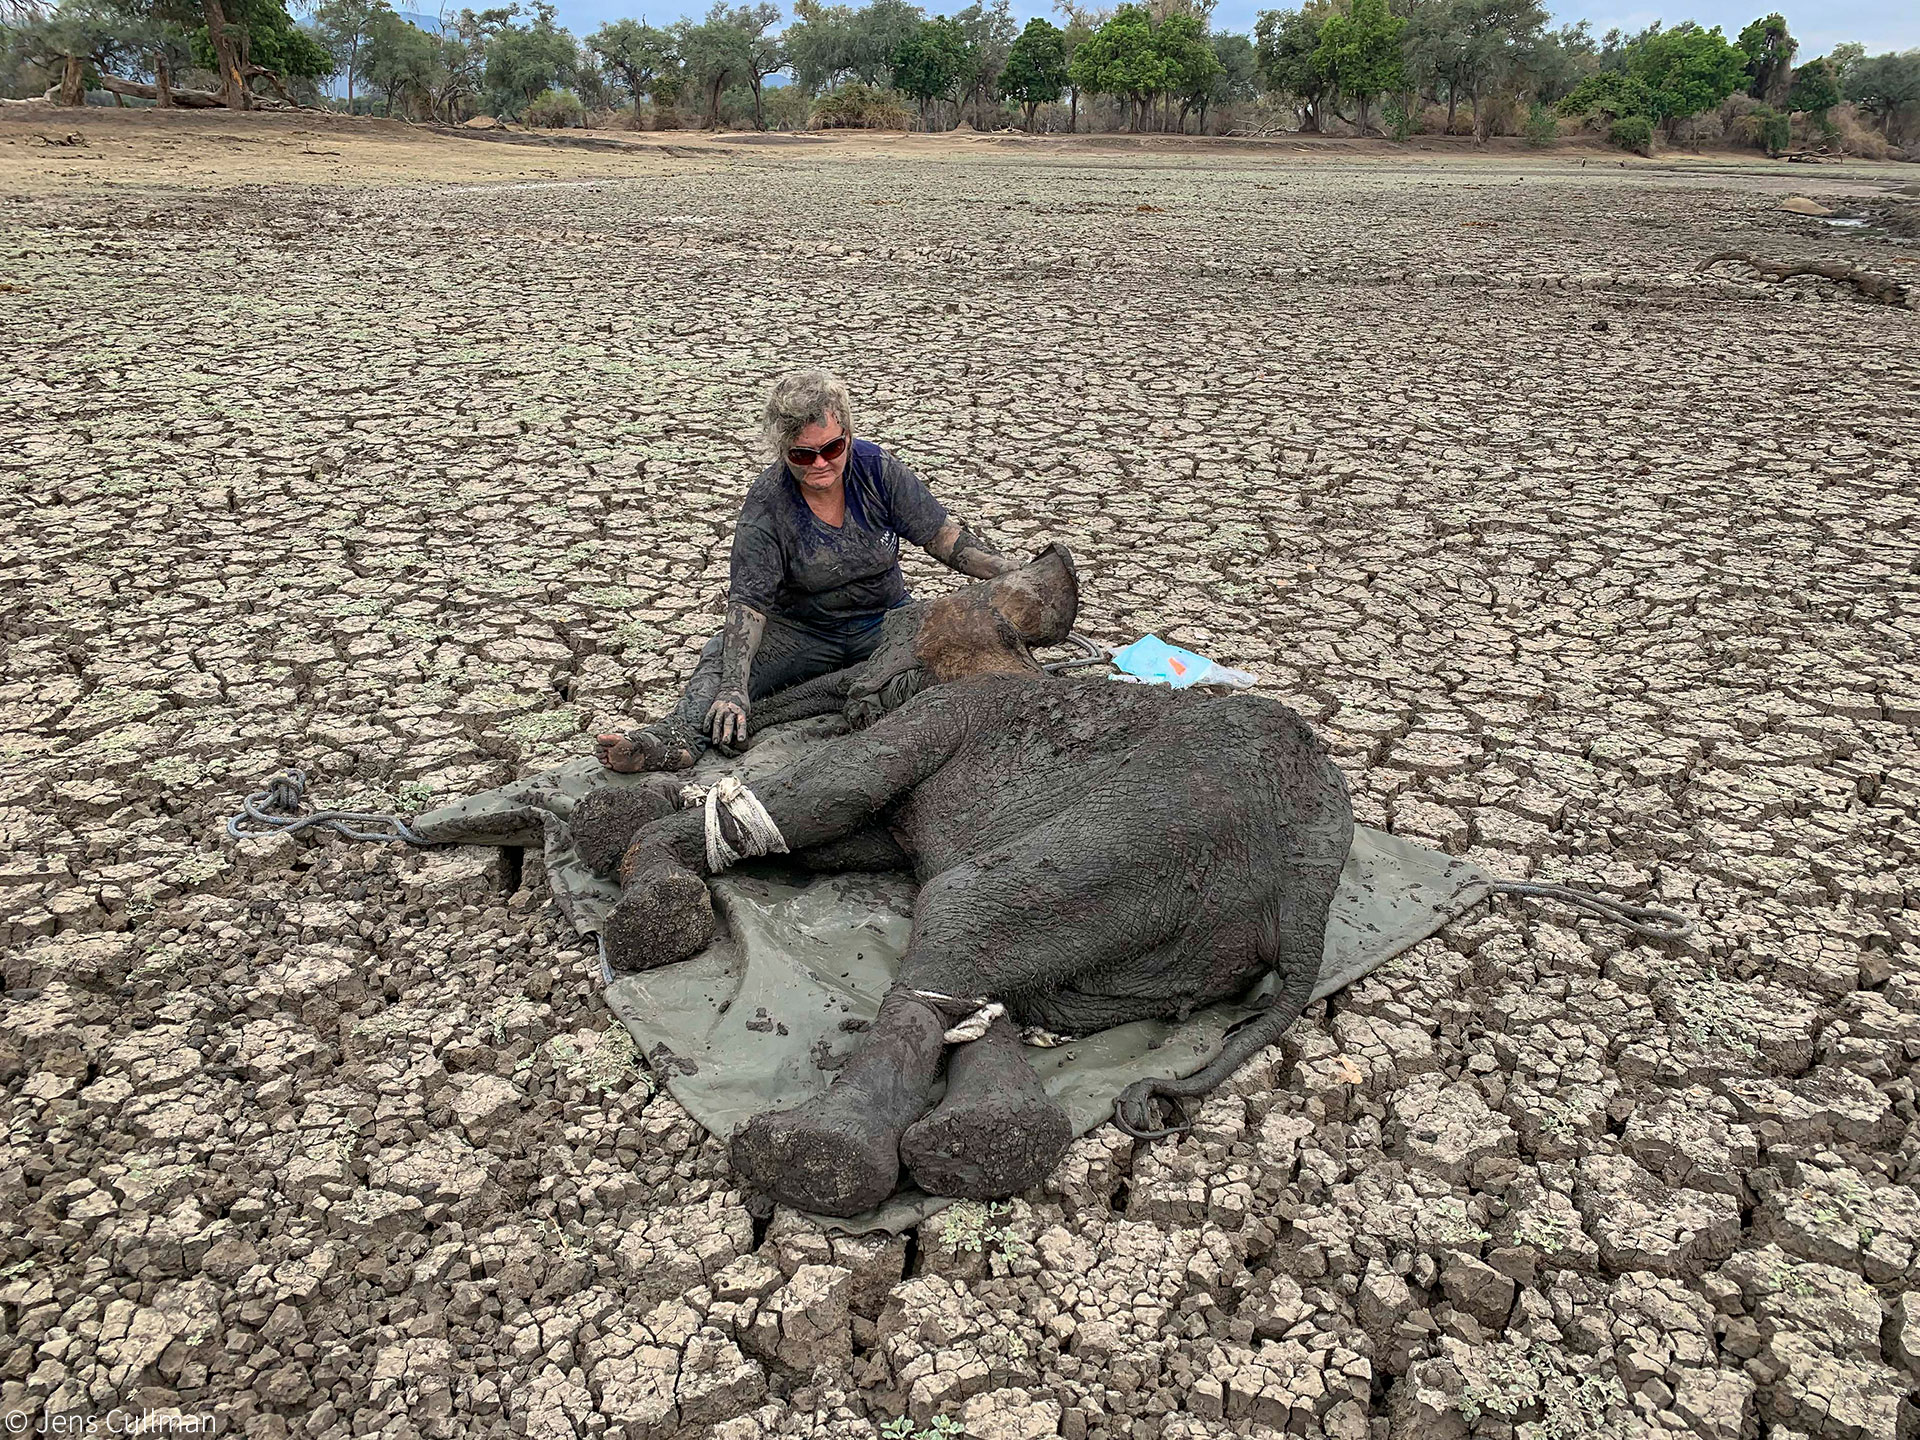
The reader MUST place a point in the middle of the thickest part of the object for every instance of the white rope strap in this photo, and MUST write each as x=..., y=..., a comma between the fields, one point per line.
x=760, y=835
x=976, y=1024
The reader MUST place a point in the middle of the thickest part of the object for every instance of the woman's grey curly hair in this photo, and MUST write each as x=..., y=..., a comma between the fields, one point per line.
x=801, y=398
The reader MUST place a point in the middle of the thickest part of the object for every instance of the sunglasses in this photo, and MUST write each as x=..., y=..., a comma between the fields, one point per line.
x=806, y=456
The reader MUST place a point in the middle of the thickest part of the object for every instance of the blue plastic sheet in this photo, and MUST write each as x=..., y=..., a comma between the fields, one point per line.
x=1153, y=661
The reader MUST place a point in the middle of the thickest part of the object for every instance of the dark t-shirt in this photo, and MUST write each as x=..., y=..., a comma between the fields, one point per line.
x=787, y=562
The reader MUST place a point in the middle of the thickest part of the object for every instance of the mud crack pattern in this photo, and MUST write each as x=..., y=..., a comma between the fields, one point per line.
x=1591, y=566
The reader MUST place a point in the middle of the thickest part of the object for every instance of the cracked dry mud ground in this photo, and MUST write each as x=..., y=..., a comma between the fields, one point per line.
x=420, y=485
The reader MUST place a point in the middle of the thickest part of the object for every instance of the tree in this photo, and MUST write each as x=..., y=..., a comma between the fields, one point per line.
x=765, y=53
x=715, y=54
x=1036, y=69
x=1883, y=85
x=343, y=26
x=523, y=61
x=1121, y=60
x=1815, y=88
x=400, y=59
x=1287, y=46
x=931, y=62
x=1687, y=69
x=1768, y=49
x=75, y=43
x=1235, y=81
x=1612, y=95
x=990, y=35
x=1187, y=60
x=1082, y=21
x=874, y=33
x=1562, y=59
x=641, y=55
x=245, y=39
x=1360, y=53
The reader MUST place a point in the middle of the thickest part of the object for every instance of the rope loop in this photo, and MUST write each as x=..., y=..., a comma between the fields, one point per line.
x=1651, y=921
x=759, y=835
x=274, y=809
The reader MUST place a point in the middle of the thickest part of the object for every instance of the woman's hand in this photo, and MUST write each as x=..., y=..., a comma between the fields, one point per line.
x=727, y=718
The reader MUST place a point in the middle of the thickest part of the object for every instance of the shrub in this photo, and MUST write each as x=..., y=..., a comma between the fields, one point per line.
x=1776, y=130
x=1844, y=131
x=1398, y=117
x=1543, y=126
x=1632, y=132
x=1612, y=95
x=859, y=107
x=554, y=110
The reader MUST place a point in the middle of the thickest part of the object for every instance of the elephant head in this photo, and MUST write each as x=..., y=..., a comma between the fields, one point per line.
x=989, y=628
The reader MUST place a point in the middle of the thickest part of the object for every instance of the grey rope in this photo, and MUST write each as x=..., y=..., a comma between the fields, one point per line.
x=275, y=811
x=1648, y=920
x=1133, y=1107
x=1090, y=654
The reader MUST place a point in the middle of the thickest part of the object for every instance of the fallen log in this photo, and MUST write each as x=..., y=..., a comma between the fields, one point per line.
x=1878, y=288
x=140, y=90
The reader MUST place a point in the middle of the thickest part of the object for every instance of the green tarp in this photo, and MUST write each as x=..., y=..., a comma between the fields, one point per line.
x=763, y=1016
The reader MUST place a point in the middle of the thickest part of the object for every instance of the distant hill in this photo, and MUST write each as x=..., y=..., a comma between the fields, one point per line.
x=428, y=23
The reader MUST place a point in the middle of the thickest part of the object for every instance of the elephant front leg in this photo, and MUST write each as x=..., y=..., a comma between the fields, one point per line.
x=839, y=1153
x=996, y=1132
x=664, y=914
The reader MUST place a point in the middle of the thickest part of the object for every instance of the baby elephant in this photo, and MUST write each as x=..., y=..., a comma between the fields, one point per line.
x=1088, y=854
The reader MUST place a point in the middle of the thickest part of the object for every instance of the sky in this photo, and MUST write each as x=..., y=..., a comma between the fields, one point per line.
x=1818, y=24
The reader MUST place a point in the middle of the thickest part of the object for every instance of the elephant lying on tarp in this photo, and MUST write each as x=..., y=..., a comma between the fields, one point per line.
x=1088, y=855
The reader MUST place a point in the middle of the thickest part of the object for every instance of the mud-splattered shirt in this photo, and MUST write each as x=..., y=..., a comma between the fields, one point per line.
x=786, y=561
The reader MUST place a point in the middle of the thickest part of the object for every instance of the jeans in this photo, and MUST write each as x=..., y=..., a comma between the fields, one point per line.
x=788, y=654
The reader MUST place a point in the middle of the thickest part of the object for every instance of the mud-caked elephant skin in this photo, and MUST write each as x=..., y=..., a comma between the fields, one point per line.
x=1088, y=854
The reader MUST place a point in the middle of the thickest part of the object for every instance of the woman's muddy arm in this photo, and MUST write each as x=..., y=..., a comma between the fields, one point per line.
x=739, y=640
x=960, y=549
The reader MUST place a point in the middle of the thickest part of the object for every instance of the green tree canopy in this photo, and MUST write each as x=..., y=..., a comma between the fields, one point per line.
x=1036, y=69
x=1186, y=53
x=524, y=61
x=401, y=60
x=1768, y=49
x=1883, y=85
x=1237, y=80
x=641, y=56
x=930, y=64
x=1360, y=53
x=1688, y=69
x=1815, y=88
x=1120, y=59
x=1287, y=47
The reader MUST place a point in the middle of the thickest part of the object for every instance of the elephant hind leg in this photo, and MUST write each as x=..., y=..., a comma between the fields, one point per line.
x=996, y=1132
x=1292, y=943
x=839, y=1153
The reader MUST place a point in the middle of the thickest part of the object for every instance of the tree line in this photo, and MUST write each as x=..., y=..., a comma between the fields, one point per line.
x=1369, y=67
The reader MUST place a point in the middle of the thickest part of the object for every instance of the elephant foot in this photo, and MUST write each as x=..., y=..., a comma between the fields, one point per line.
x=605, y=822
x=839, y=1153
x=997, y=1131
x=664, y=915
x=832, y=1155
